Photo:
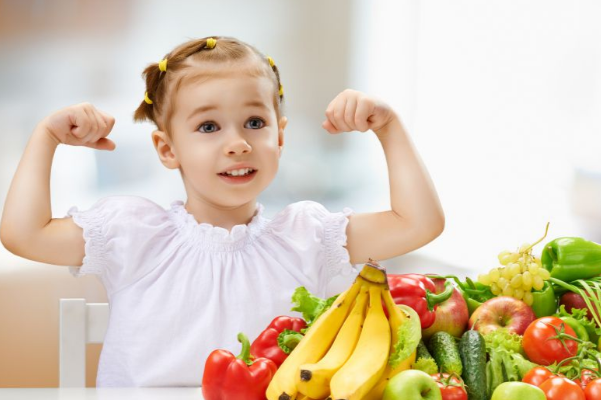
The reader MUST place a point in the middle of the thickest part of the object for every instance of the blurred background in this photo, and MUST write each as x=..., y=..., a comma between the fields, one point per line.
x=501, y=98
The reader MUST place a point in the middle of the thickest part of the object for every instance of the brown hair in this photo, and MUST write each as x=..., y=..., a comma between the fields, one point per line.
x=161, y=87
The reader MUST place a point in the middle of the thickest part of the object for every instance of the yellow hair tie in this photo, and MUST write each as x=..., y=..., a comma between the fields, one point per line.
x=146, y=98
x=271, y=62
x=163, y=65
x=281, y=90
x=210, y=43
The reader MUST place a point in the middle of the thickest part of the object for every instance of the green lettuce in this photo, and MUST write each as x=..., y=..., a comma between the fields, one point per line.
x=309, y=305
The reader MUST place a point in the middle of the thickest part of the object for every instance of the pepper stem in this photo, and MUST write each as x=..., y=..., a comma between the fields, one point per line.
x=288, y=339
x=434, y=299
x=245, y=353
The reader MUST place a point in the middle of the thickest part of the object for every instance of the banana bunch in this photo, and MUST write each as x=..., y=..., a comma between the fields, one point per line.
x=344, y=354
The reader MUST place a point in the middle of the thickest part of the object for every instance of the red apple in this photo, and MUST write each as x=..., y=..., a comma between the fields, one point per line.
x=502, y=312
x=451, y=315
x=574, y=300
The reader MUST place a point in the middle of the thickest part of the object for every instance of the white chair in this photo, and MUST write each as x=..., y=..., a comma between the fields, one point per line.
x=80, y=323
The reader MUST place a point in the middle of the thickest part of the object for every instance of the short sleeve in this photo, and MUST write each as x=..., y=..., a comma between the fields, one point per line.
x=124, y=236
x=311, y=221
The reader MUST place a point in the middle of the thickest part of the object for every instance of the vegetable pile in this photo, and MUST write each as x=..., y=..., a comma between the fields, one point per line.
x=529, y=328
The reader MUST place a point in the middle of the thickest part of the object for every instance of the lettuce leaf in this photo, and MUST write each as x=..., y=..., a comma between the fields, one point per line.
x=504, y=339
x=410, y=333
x=309, y=305
x=428, y=365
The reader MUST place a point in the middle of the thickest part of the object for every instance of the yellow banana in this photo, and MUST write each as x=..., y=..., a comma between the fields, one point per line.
x=367, y=363
x=313, y=380
x=313, y=346
x=396, y=318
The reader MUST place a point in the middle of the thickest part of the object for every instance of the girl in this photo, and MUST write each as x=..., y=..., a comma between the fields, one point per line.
x=184, y=281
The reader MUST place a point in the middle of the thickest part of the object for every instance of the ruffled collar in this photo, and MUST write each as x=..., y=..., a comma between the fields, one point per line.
x=205, y=233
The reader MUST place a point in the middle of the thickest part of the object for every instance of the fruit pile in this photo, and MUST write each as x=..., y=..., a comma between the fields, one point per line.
x=529, y=329
x=345, y=353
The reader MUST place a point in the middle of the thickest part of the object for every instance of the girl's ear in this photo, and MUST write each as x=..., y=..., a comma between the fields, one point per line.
x=281, y=126
x=164, y=148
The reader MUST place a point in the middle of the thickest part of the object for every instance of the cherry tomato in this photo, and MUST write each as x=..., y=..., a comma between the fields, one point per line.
x=561, y=388
x=586, y=375
x=538, y=375
x=451, y=386
x=539, y=345
x=593, y=390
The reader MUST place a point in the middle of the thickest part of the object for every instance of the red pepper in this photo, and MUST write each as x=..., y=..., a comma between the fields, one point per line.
x=236, y=378
x=418, y=292
x=278, y=339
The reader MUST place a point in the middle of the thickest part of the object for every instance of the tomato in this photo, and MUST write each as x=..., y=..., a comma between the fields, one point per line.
x=538, y=375
x=561, y=388
x=586, y=375
x=539, y=345
x=593, y=390
x=451, y=386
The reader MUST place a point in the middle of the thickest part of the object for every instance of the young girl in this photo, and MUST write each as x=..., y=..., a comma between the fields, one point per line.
x=184, y=281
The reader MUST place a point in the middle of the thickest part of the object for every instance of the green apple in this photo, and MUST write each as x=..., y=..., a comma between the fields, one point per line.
x=518, y=390
x=412, y=384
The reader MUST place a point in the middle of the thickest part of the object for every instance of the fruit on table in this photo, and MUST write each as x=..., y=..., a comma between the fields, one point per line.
x=314, y=379
x=412, y=385
x=519, y=273
x=499, y=312
x=368, y=361
x=517, y=390
x=451, y=316
x=355, y=367
x=313, y=346
x=573, y=300
x=543, y=343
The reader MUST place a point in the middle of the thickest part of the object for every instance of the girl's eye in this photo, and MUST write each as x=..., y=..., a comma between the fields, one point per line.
x=208, y=127
x=256, y=123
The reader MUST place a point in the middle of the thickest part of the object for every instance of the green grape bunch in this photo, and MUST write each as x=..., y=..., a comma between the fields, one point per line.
x=520, y=272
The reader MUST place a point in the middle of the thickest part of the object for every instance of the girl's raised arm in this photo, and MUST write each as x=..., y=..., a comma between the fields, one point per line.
x=27, y=228
x=416, y=216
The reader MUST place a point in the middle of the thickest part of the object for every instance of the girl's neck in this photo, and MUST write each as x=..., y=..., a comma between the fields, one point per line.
x=215, y=215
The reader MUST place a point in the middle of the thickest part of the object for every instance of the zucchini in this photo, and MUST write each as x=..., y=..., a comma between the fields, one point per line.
x=472, y=350
x=445, y=351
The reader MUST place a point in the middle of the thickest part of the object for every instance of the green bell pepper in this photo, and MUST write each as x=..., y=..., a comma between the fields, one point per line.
x=544, y=301
x=571, y=258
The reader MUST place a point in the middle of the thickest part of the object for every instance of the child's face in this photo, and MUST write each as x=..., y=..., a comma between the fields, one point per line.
x=219, y=124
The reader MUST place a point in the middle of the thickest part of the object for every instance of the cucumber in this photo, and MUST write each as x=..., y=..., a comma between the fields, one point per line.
x=472, y=350
x=445, y=351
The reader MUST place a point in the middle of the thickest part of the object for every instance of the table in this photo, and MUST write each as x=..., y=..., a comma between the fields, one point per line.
x=102, y=394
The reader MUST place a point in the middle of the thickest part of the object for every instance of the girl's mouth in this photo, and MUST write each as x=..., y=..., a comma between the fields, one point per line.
x=247, y=177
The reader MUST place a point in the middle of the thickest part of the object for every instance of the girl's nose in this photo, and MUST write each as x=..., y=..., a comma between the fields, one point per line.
x=237, y=144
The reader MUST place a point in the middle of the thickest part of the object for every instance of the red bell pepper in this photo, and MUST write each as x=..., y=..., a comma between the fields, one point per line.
x=227, y=377
x=278, y=339
x=418, y=292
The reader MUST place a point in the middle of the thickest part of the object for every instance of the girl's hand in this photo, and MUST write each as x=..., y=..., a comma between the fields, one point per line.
x=81, y=125
x=354, y=111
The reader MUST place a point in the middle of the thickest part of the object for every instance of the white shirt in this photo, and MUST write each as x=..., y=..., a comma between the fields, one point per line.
x=178, y=290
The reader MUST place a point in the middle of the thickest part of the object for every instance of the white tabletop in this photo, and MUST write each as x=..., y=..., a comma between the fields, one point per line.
x=102, y=394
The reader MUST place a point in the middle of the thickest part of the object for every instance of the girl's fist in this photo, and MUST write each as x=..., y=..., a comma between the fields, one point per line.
x=354, y=111
x=81, y=125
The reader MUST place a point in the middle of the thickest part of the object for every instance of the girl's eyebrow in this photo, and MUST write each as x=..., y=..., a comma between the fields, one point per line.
x=200, y=110
x=252, y=103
